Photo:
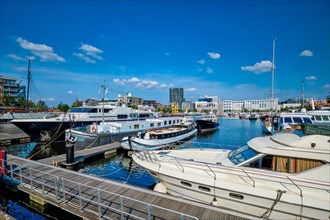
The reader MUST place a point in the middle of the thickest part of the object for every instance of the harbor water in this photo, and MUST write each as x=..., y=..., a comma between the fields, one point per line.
x=231, y=134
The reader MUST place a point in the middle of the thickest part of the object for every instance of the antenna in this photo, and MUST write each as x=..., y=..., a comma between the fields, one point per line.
x=302, y=94
x=28, y=88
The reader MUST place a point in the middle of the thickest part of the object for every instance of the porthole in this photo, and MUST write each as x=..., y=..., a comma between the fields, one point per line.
x=205, y=189
x=153, y=173
x=186, y=184
x=236, y=196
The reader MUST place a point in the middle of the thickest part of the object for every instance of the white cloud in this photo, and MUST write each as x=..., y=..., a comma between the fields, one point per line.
x=133, y=80
x=50, y=99
x=190, y=89
x=91, y=51
x=83, y=57
x=202, y=61
x=262, y=67
x=326, y=86
x=306, y=53
x=48, y=56
x=213, y=55
x=46, y=53
x=209, y=70
x=310, y=78
x=146, y=84
x=20, y=69
x=70, y=92
x=119, y=81
x=15, y=57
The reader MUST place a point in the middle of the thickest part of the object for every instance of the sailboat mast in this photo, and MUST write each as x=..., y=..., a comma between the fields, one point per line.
x=28, y=87
x=273, y=73
x=273, y=69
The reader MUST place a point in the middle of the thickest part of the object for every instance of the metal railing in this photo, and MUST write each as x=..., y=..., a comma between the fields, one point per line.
x=242, y=173
x=83, y=197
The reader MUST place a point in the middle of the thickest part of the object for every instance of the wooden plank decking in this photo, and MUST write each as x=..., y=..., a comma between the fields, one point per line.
x=92, y=197
x=83, y=153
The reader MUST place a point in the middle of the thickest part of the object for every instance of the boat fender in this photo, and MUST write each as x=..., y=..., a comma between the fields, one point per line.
x=160, y=187
x=215, y=202
x=93, y=129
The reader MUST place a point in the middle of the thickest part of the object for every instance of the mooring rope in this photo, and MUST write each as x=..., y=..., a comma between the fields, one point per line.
x=277, y=199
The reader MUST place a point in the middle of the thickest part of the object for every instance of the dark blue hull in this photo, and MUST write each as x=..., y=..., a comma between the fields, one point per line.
x=203, y=125
x=54, y=129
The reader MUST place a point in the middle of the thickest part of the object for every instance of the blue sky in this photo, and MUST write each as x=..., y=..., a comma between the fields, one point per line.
x=221, y=48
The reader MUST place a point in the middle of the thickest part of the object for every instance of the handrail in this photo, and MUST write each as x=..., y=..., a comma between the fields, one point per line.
x=62, y=186
x=257, y=176
x=295, y=185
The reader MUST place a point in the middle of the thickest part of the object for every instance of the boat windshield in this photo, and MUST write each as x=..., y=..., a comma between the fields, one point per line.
x=241, y=154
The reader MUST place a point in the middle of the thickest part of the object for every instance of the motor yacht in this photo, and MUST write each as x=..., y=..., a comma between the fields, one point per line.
x=283, y=176
x=159, y=138
x=54, y=127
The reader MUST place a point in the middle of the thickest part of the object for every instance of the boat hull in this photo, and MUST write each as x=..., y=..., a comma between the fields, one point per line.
x=204, y=125
x=260, y=195
x=154, y=144
x=54, y=129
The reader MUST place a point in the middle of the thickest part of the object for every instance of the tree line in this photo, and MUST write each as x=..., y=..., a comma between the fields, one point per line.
x=20, y=103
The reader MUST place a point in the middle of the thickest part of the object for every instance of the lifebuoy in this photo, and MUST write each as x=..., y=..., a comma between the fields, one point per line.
x=93, y=129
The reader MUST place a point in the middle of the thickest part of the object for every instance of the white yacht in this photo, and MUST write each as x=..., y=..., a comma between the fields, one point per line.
x=159, y=138
x=114, y=131
x=287, y=122
x=54, y=127
x=283, y=176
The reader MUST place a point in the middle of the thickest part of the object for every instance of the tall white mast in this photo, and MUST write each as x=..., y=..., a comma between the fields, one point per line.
x=273, y=69
x=273, y=74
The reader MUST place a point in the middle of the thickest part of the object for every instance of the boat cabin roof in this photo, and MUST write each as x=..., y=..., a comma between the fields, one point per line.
x=287, y=144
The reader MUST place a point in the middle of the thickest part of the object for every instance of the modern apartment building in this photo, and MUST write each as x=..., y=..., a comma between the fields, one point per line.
x=9, y=86
x=210, y=103
x=176, y=95
x=239, y=106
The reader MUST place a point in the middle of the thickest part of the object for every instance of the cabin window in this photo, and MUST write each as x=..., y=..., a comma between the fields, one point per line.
x=130, y=127
x=152, y=125
x=121, y=116
x=287, y=120
x=169, y=122
x=136, y=126
x=186, y=184
x=159, y=124
x=293, y=165
x=297, y=120
x=165, y=122
x=236, y=196
x=318, y=118
x=308, y=120
x=177, y=121
x=241, y=154
x=173, y=121
x=325, y=118
x=205, y=189
x=107, y=110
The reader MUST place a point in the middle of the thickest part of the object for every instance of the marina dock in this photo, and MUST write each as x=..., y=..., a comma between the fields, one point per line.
x=82, y=155
x=92, y=197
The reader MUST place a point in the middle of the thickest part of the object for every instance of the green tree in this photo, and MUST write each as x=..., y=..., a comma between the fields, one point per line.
x=134, y=107
x=41, y=106
x=21, y=101
x=8, y=100
x=31, y=104
x=63, y=107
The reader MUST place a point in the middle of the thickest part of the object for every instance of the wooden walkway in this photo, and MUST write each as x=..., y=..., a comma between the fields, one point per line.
x=83, y=154
x=92, y=197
